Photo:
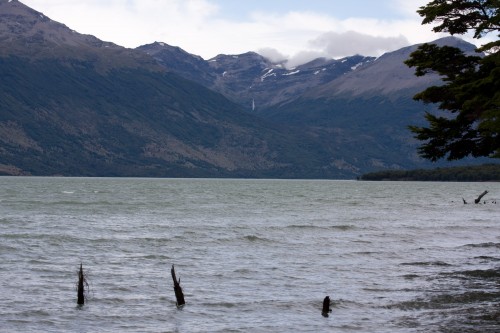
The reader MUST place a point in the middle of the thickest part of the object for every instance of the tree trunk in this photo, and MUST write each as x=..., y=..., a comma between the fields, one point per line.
x=177, y=289
x=81, y=289
x=326, y=307
x=480, y=196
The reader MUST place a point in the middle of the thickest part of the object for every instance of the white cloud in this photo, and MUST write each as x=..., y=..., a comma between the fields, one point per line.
x=272, y=54
x=197, y=27
x=304, y=57
x=409, y=7
x=337, y=45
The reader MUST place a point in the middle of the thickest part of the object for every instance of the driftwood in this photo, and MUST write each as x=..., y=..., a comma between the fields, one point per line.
x=81, y=287
x=177, y=289
x=480, y=196
x=326, y=307
x=478, y=200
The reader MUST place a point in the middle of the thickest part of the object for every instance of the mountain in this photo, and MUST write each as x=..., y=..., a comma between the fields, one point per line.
x=177, y=61
x=357, y=108
x=73, y=105
x=250, y=79
x=386, y=75
x=363, y=115
x=26, y=32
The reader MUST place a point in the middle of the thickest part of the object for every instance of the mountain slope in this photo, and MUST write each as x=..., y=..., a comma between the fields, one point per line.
x=180, y=62
x=250, y=79
x=386, y=76
x=24, y=31
x=73, y=105
x=364, y=115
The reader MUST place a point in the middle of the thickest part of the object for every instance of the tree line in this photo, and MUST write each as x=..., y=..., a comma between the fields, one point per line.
x=479, y=173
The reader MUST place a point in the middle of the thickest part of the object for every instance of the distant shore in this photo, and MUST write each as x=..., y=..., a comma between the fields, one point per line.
x=478, y=173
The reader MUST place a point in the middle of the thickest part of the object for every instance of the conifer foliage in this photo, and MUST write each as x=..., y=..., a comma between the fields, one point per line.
x=470, y=94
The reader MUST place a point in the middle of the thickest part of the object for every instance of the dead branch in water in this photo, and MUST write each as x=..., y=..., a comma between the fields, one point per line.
x=480, y=196
x=82, y=287
x=326, y=307
x=177, y=289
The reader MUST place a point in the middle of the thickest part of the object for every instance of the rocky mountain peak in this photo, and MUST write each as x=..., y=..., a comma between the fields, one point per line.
x=386, y=75
x=28, y=33
x=20, y=22
x=166, y=49
x=180, y=62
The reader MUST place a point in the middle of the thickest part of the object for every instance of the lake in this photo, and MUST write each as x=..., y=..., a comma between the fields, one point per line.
x=251, y=255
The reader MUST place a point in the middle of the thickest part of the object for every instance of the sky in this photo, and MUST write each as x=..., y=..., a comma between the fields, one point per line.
x=295, y=30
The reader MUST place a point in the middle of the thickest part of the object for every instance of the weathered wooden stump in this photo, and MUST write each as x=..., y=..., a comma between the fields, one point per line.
x=326, y=307
x=81, y=287
x=480, y=196
x=177, y=289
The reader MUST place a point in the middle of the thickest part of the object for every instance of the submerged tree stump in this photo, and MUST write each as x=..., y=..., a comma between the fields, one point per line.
x=326, y=307
x=81, y=287
x=480, y=196
x=177, y=289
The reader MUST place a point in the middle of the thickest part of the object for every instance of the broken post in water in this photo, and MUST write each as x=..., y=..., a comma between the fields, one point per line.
x=480, y=196
x=177, y=289
x=81, y=287
x=326, y=307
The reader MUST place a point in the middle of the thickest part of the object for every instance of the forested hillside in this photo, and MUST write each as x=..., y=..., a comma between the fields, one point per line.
x=479, y=173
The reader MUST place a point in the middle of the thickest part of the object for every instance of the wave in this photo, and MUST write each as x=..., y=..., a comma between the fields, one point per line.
x=484, y=245
x=253, y=238
x=487, y=258
x=426, y=263
x=446, y=301
x=304, y=226
x=483, y=274
x=56, y=238
x=343, y=227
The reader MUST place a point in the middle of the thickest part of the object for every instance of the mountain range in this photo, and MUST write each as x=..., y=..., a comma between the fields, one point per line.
x=73, y=105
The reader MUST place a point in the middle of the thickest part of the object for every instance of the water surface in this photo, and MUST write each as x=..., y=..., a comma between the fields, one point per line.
x=252, y=255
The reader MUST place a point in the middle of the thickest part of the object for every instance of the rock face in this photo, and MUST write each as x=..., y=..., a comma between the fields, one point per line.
x=71, y=104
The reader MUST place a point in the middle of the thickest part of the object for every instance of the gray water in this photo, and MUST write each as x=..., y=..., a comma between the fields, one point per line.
x=252, y=255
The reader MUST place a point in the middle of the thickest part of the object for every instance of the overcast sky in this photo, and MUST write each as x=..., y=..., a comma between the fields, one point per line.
x=298, y=30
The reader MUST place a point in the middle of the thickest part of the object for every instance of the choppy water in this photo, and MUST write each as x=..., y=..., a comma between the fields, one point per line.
x=252, y=255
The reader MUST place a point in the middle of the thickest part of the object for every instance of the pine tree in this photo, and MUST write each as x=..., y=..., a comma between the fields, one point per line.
x=470, y=94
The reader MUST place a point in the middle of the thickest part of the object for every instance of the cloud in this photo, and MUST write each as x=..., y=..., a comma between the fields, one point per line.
x=200, y=27
x=337, y=45
x=307, y=35
x=295, y=60
x=272, y=55
x=409, y=7
x=303, y=57
x=132, y=23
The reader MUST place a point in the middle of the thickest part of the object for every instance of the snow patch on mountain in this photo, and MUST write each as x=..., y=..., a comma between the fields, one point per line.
x=356, y=66
x=292, y=73
x=267, y=74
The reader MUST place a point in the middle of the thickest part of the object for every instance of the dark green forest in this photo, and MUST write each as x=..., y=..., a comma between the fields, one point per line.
x=478, y=173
